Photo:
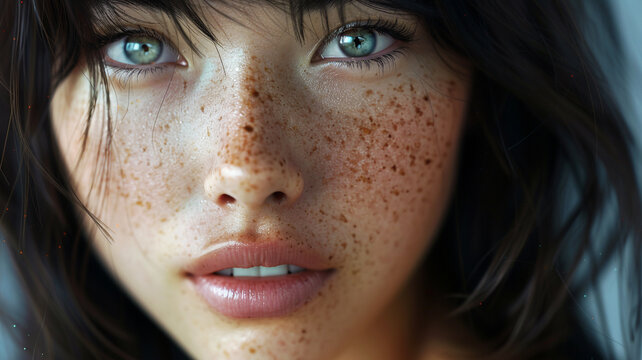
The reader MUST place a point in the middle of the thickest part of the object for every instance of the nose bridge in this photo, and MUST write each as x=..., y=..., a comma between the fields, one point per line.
x=252, y=167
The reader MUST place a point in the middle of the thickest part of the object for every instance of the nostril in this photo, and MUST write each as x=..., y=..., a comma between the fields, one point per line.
x=278, y=197
x=226, y=199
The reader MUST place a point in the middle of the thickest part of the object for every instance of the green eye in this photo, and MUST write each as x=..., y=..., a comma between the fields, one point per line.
x=142, y=50
x=358, y=42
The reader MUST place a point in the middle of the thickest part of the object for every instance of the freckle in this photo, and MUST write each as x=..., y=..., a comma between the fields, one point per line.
x=148, y=205
x=412, y=88
x=248, y=128
x=255, y=93
x=426, y=98
x=184, y=85
x=365, y=130
x=208, y=132
x=202, y=108
x=394, y=168
x=252, y=350
x=418, y=111
x=343, y=245
x=139, y=203
x=368, y=92
x=163, y=219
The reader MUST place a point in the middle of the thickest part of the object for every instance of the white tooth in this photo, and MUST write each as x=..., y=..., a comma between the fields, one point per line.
x=295, y=269
x=253, y=271
x=226, y=272
x=273, y=271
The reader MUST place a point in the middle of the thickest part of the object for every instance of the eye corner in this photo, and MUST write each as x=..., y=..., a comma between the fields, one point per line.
x=181, y=61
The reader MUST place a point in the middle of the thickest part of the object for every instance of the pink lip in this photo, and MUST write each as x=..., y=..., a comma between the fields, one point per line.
x=245, y=255
x=253, y=297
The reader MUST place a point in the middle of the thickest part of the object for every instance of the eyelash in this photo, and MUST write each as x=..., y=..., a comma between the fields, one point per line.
x=394, y=29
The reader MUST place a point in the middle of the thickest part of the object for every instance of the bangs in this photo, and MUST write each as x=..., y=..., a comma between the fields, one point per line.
x=187, y=16
x=82, y=28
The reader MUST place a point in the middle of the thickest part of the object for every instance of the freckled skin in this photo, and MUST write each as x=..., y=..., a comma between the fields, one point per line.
x=365, y=162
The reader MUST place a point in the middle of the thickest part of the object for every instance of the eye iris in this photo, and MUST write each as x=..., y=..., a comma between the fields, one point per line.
x=142, y=50
x=358, y=43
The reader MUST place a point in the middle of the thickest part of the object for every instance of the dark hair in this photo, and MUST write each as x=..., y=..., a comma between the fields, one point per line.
x=546, y=156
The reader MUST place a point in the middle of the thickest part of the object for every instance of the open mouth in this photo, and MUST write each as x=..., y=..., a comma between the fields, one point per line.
x=267, y=279
x=261, y=271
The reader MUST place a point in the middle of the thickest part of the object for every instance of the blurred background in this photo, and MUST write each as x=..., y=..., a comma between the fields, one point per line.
x=626, y=81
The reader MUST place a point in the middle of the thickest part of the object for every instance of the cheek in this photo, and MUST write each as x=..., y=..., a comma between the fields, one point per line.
x=388, y=168
x=131, y=170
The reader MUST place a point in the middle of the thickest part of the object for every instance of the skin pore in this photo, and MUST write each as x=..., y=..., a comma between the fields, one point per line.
x=364, y=159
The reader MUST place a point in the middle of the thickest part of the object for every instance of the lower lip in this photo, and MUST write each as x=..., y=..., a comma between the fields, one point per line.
x=258, y=297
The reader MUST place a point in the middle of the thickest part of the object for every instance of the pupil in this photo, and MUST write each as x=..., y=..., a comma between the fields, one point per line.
x=143, y=50
x=358, y=43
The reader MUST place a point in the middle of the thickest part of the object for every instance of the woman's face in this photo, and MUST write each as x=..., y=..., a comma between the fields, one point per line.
x=265, y=151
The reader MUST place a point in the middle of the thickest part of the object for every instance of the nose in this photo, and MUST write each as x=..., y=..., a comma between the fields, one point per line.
x=253, y=166
x=253, y=187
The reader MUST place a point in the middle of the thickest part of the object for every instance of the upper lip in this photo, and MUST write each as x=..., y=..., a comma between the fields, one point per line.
x=244, y=255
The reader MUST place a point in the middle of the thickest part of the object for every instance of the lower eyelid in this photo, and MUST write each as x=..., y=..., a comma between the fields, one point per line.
x=384, y=63
x=396, y=46
x=124, y=75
